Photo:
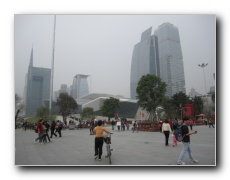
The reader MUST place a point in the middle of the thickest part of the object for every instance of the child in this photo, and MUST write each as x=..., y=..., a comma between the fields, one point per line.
x=174, y=140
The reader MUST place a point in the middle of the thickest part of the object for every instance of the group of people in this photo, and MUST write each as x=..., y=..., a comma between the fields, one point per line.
x=43, y=128
x=121, y=124
x=166, y=129
x=27, y=126
x=97, y=129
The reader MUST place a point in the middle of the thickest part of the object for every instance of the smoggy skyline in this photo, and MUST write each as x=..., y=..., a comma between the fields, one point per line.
x=102, y=46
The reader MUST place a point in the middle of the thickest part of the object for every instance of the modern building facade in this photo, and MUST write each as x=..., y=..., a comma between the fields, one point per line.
x=159, y=54
x=145, y=60
x=37, y=87
x=80, y=86
x=170, y=58
x=128, y=108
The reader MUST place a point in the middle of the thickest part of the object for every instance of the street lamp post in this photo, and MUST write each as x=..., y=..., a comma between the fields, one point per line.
x=203, y=65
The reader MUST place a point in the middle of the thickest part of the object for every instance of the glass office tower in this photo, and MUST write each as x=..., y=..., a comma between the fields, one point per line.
x=159, y=54
x=37, y=87
x=145, y=60
x=171, y=59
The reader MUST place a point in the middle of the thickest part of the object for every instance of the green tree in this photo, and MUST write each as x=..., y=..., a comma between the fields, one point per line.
x=198, y=105
x=169, y=108
x=110, y=107
x=32, y=119
x=66, y=104
x=150, y=93
x=88, y=113
x=43, y=112
x=179, y=100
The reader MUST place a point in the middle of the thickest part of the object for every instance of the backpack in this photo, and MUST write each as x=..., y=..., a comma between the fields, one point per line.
x=178, y=134
x=60, y=125
x=175, y=123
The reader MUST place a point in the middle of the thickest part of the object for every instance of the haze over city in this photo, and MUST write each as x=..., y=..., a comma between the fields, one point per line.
x=102, y=46
x=12, y=58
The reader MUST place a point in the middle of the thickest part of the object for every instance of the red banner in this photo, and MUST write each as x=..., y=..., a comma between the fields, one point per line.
x=188, y=111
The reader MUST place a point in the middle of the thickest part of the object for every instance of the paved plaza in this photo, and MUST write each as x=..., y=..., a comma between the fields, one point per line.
x=76, y=148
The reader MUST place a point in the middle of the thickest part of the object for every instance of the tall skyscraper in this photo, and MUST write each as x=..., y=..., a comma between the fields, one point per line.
x=80, y=86
x=170, y=58
x=37, y=87
x=159, y=54
x=145, y=60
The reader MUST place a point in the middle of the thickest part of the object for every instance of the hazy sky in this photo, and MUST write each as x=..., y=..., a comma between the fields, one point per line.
x=102, y=46
x=191, y=44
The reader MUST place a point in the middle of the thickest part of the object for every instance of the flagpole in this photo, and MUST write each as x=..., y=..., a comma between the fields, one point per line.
x=52, y=72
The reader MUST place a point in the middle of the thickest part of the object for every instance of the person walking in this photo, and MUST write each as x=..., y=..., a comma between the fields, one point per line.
x=210, y=122
x=122, y=125
x=186, y=145
x=191, y=124
x=52, y=129
x=46, y=132
x=135, y=126
x=166, y=129
x=113, y=124
x=60, y=125
x=98, y=143
x=104, y=122
x=91, y=127
x=118, y=125
x=40, y=131
x=175, y=124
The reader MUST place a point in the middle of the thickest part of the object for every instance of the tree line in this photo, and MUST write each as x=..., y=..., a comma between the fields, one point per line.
x=150, y=96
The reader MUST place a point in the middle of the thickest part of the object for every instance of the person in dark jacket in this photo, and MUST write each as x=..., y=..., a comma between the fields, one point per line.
x=52, y=129
x=113, y=124
x=91, y=128
x=186, y=145
x=60, y=125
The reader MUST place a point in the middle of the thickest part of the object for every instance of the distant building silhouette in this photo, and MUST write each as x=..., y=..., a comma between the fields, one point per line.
x=63, y=89
x=37, y=87
x=193, y=93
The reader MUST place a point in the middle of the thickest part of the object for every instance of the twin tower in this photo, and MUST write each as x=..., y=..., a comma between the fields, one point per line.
x=159, y=54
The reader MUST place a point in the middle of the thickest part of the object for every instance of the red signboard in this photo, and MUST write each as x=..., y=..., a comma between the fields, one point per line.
x=188, y=111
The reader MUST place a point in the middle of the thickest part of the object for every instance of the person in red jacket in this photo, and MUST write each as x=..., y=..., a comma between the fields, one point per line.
x=40, y=133
x=170, y=123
